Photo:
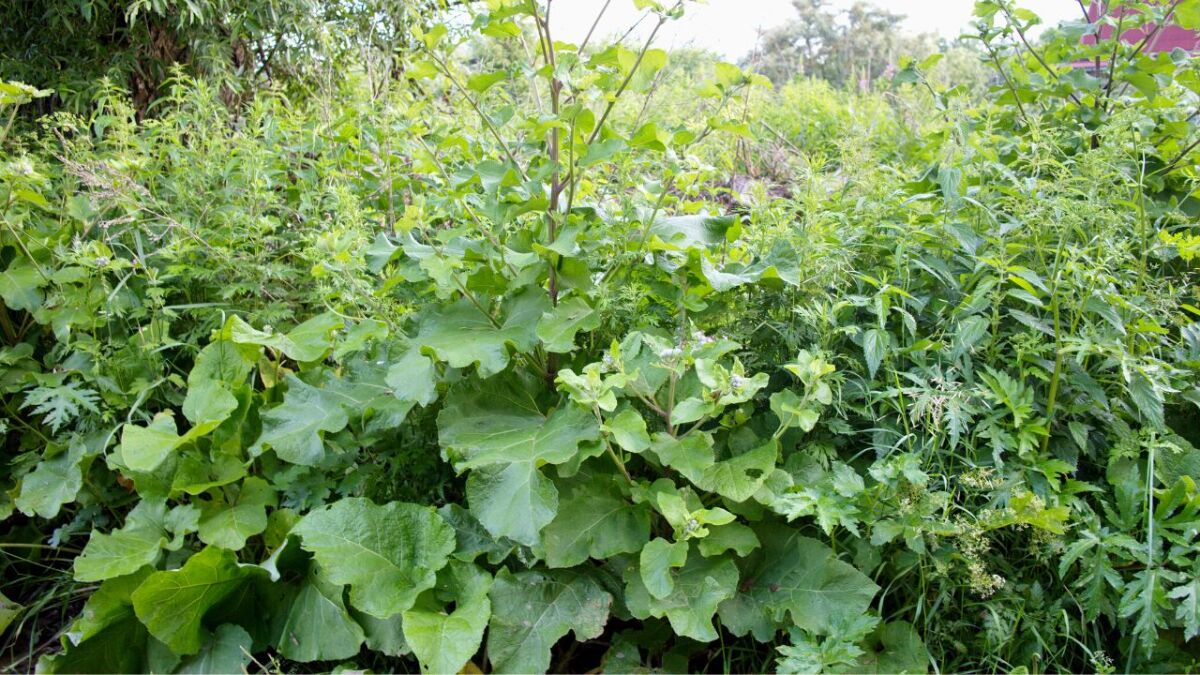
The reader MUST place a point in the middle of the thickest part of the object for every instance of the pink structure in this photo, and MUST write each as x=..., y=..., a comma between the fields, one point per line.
x=1162, y=39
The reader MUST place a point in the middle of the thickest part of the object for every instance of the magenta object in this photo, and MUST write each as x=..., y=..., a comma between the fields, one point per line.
x=1163, y=39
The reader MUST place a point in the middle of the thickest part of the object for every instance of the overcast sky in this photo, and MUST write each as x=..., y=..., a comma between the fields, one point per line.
x=730, y=27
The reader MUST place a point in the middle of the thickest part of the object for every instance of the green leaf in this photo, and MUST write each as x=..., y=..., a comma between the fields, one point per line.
x=307, y=342
x=208, y=403
x=224, y=361
x=383, y=635
x=501, y=423
x=9, y=611
x=558, y=327
x=1187, y=599
x=172, y=605
x=689, y=455
x=594, y=520
x=484, y=81
x=107, y=636
x=514, y=501
x=229, y=652
x=461, y=335
x=689, y=410
x=737, y=478
x=19, y=285
x=740, y=477
x=532, y=610
x=413, y=378
x=144, y=448
x=797, y=580
x=126, y=550
x=600, y=151
x=727, y=74
x=700, y=587
x=655, y=563
x=444, y=642
x=316, y=625
x=61, y=404
x=387, y=554
x=55, y=481
x=501, y=432
x=293, y=428
x=228, y=525
x=628, y=430
x=473, y=540
x=694, y=231
x=875, y=344
x=1147, y=396
x=380, y=253
x=894, y=647
x=729, y=537
x=792, y=412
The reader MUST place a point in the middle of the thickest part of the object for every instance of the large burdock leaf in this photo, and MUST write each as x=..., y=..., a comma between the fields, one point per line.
x=229, y=524
x=532, y=610
x=126, y=550
x=558, y=327
x=701, y=585
x=108, y=638
x=21, y=285
x=316, y=625
x=894, y=647
x=387, y=554
x=307, y=342
x=144, y=448
x=701, y=231
x=656, y=563
x=737, y=478
x=594, y=520
x=798, y=581
x=472, y=538
x=228, y=652
x=462, y=335
x=208, y=403
x=293, y=428
x=502, y=433
x=740, y=477
x=514, y=501
x=172, y=604
x=55, y=481
x=503, y=424
x=413, y=378
x=444, y=641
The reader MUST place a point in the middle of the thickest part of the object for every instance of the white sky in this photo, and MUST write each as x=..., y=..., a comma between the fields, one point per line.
x=730, y=27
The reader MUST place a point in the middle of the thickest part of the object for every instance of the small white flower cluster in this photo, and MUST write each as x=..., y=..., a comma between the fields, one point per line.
x=982, y=583
x=608, y=363
x=981, y=478
x=670, y=353
x=22, y=167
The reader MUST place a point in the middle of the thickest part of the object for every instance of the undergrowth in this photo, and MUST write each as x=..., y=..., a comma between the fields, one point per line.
x=513, y=365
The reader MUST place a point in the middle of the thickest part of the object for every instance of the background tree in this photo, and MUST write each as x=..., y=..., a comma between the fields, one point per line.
x=78, y=47
x=844, y=47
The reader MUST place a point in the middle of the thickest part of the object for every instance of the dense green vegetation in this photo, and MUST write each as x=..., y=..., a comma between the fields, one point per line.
x=475, y=349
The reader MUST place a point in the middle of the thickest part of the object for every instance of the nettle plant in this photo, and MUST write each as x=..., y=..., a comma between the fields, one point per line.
x=621, y=464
